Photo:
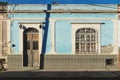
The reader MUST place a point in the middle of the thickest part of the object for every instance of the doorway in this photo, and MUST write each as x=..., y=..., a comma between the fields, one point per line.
x=31, y=47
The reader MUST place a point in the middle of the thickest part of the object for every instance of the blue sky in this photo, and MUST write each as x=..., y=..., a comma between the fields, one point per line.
x=62, y=1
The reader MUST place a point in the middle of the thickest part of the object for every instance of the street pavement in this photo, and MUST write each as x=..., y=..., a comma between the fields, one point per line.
x=58, y=73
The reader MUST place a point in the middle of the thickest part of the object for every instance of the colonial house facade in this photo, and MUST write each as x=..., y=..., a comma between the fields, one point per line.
x=62, y=36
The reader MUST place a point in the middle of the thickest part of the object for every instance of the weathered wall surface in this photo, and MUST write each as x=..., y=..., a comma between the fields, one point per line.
x=63, y=33
x=0, y=37
x=63, y=41
x=63, y=6
x=3, y=34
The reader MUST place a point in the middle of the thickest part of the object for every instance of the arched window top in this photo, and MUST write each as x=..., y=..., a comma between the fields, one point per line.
x=85, y=30
x=86, y=40
x=31, y=30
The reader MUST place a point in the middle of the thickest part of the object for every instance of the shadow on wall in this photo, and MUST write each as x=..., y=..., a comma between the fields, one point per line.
x=25, y=56
x=44, y=43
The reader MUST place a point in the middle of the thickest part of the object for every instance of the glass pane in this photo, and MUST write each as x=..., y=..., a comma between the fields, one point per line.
x=77, y=47
x=29, y=36
x=35, y=45
x=77, y=38
x=86, y=40
x=88, y=47
x=82, y=37
x=28, y=45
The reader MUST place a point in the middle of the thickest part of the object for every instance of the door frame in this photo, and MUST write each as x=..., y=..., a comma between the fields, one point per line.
x=30, y=25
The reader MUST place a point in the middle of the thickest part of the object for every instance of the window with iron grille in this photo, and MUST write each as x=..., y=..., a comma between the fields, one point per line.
x=86, y=40
x=110, y=62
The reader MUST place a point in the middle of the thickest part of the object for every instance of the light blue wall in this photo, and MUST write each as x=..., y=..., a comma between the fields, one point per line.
x=85, y=7
x=27, y=7
x=63, y=41
x=76, y=15
x=14, y=36
x=27, y=15
x=63, y=7
x=63, y=31
x=63, y=36
x=63, y=15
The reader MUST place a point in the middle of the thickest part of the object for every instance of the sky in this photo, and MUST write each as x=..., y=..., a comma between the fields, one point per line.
x=62, y=1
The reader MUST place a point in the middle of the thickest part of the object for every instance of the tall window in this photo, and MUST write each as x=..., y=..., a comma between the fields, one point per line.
x=86, y=41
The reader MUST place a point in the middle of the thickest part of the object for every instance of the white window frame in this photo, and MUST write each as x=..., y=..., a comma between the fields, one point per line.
x=76, y=26
x=82, y=41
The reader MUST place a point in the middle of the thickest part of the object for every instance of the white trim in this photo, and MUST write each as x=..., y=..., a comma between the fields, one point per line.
x=36, y=26
x=52, y=26
x=75, y=27
x=115, y=37
x=8, y=36
x=62, y=11
x=55, y=19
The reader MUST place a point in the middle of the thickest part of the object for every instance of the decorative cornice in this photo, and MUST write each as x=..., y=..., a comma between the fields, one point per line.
x=62, y=11
x=31, y=22
x=87, y=23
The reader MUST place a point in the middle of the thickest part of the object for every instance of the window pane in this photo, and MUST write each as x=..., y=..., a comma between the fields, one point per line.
x=28, y=45
x=86, y=39
x=77, y=38
x=35, y=45
x=110, y=62
x=77, y=47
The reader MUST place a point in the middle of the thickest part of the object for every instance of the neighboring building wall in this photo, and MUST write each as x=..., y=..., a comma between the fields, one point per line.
x=3, y=28
x=0, y=37
x=119, y=34
x=3, y=34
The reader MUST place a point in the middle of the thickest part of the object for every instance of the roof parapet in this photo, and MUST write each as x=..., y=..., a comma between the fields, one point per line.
x=62, y=11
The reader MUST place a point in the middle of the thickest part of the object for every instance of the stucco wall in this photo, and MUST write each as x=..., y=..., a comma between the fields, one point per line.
x=63, y=34
x=63, y=6
x=0, y=37
x=62, y=25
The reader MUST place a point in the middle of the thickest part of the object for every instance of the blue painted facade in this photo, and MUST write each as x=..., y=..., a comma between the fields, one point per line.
x=63, y=28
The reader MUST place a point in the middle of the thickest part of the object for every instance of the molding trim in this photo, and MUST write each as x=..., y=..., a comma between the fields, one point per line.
x=62, y=11
x=75, y=27
x=21, y=35
x=87, y=23
x=55, y=19
x=31, y=23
